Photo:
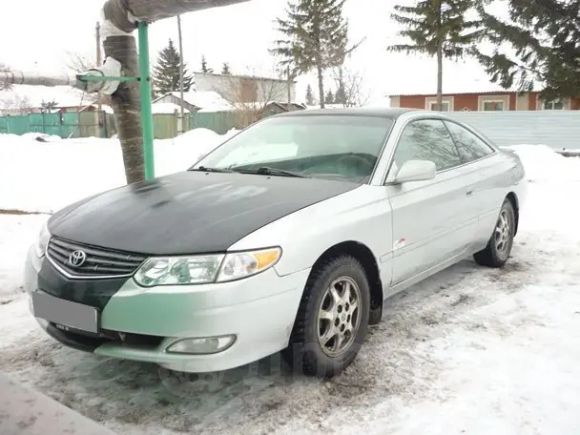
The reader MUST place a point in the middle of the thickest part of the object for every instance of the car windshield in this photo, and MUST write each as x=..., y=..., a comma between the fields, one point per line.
x=344, y=147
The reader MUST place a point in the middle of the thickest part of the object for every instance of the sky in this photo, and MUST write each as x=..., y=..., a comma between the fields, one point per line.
x=41, y=34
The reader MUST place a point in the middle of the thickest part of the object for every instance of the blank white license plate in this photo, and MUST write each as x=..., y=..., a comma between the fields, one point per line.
x=65, y=313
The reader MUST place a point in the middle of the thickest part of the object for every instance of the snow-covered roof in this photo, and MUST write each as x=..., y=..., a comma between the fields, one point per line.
x=32, y=97
x=166, y=108
x=208, y=101
x=243, y=76
x=259, y=105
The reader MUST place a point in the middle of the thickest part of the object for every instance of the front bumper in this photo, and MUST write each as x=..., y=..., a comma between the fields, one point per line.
x=260, y=311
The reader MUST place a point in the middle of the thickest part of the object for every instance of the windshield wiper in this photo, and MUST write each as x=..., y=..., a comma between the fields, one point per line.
x=216, y=170
x=267, y=170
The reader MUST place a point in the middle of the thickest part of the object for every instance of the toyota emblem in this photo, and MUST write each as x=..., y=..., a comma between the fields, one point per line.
x=77, y=258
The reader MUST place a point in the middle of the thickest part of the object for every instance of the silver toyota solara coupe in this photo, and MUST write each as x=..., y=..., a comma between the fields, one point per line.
x=288, y=237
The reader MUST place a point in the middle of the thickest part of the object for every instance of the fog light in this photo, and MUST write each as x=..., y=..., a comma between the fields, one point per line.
x=202, y=346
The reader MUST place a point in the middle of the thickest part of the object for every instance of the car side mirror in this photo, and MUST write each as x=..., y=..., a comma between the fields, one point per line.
x=416, y=170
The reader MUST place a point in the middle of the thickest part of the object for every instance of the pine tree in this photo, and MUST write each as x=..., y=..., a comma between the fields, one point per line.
x=204, y=67
x=544, y=36
x=329, y=99
x=166, y=72
x=226, y=69
x=315, y=37
x=437, y=28
x=340, y=95
x=309, y=96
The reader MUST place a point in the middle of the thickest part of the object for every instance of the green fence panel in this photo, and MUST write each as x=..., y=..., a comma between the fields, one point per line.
x=70, y=126
x=49, y=123
x=84, y=124
x=165, y=126
x=65, y=125
x=16, y=124
x=220, y=122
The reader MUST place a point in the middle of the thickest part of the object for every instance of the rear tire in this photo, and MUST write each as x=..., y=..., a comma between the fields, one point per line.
x=499, y=247
x=332, y=320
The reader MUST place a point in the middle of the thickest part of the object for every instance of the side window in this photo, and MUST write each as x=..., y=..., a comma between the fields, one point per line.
x=427, y=140
x=470, y=147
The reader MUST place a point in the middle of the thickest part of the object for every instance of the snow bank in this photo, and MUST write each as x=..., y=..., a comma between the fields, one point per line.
x=174, y=155
x=49, y=174
x=17, y=234
x=543, y=164
x=46, y=176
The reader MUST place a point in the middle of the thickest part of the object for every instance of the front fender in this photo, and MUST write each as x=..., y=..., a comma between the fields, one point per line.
x=362, y=215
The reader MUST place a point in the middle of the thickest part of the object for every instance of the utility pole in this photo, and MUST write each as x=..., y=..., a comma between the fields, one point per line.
x=289, y=84
x=99, y=64
x=180, y=121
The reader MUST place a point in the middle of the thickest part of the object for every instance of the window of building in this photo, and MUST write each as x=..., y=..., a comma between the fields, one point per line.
x=427, y=140
x=470, y=146
x=446, y=107
x=493, y=106
x=553, y=105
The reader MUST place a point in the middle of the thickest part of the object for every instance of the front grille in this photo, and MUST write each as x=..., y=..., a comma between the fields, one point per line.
x=98, y=262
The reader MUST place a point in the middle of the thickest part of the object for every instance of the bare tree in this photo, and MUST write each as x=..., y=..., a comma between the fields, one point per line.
x=78, y=62
x=350, y=87
x=251, y=97
x=16, y=105
x=4, y=84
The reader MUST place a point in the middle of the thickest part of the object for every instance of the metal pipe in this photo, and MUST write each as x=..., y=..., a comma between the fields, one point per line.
x=36, y=79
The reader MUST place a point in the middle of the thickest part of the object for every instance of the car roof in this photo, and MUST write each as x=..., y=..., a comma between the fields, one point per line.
x=359, y=111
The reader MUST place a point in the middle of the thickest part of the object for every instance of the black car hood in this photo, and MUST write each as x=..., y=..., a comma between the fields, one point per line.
x=189, y=212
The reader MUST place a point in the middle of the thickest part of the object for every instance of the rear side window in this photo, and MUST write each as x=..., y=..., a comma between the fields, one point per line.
x=427, y=140
x=470, y=147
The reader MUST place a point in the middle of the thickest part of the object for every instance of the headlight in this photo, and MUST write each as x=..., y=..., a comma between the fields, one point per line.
x=242, y=264
x=203, y=269
x=178, y=270
x=42, y=242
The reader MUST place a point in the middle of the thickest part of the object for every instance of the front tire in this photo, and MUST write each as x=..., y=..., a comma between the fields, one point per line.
x=499, y=247
x=332, y=320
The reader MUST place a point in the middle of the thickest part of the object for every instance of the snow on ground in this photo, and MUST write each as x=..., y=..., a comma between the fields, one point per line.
x=17, y=234
x=469, y=351
x=46, y=176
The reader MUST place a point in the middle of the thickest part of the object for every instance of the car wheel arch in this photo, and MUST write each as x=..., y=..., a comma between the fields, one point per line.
x=513, y=198
x=365, y=256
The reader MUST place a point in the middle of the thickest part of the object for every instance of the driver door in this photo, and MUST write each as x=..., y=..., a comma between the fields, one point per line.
x=431, y=220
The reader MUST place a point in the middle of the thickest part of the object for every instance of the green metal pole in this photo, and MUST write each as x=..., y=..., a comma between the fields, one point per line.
x=146, y=111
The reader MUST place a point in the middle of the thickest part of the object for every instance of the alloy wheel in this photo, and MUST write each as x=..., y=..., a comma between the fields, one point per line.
x=502, y=234
x=338, y=316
